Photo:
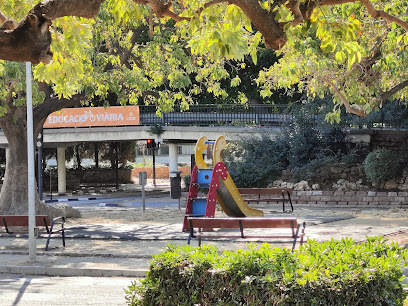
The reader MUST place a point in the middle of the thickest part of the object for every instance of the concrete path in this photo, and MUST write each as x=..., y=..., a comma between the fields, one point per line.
x=125, y=249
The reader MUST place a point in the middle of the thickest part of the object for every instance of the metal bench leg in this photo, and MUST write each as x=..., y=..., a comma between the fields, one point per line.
x=63, y=234
x=295, y=237
x=5, y=226
x=191, y=235
x=49, y=236
x=290, y=201
x=303, y=233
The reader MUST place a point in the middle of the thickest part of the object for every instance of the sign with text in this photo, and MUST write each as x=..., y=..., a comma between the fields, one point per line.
x=94, y=116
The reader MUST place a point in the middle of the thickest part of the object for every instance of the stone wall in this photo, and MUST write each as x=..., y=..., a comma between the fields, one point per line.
x=72, y=181
x=352, y=199
x=371, y=139
x=104, y=176
x=391, y=139
x=89, y=176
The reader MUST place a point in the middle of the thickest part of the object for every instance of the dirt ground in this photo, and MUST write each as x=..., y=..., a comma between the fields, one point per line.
x=171, y=215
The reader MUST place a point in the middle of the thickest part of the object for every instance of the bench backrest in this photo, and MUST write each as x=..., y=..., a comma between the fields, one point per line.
x=22, y=220
x=246, y=222
x=264, y=191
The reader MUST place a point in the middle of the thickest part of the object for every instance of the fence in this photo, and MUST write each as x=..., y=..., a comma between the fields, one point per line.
x=217, y=115
x=264, y=115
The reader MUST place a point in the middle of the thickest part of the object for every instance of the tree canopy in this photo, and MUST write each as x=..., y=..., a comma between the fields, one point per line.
x=355, y=50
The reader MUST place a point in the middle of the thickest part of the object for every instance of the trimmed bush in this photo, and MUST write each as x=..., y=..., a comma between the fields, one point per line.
x=381, y=165
x=328, y=273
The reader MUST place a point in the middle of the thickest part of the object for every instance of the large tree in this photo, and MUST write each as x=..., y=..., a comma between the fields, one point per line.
x=355, y=50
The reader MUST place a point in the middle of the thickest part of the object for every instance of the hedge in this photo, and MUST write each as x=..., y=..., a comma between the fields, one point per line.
x=381, y=165
x=324, y=273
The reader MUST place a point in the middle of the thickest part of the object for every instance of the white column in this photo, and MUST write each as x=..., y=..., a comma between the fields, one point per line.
x=173, y=158
x=62, y=171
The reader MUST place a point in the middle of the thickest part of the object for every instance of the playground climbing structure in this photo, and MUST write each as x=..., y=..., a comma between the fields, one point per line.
x=219, y=184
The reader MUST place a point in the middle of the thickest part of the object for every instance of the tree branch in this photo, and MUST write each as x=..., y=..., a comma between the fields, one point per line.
x=9, y=99
x=385, y=95
x=264, y=21
x=352, y=109
x=357, y=109
x=295, y=9
x=124, y=57
x=53, y=9
x=336, y=2
x=30, y=40
x=3, y=18
x=384, y=15
x=298, y=14
x=133, y=40
x=162, y=9
x=50, y=105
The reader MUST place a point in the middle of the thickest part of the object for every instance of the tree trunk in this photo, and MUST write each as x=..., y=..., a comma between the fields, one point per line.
x=13, y=196
x=78, y=157
x=14, y=192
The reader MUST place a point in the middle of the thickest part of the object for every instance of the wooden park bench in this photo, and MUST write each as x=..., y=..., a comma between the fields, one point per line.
x=204, y=225
x=19, y=225
x=259, y=195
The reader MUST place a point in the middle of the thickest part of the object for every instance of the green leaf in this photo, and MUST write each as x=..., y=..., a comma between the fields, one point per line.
x=351, y=60
x=340, y=57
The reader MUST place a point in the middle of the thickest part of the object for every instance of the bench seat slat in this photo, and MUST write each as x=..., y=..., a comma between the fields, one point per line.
x=23, y=220
x=246, y=222
x=259, y=195
x=205, y=224
x=248, y=236
x=263, y=200
x=264, y=191
x=18, y=224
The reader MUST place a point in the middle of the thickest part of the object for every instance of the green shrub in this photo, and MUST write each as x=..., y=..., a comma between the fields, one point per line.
x=186, y=180
x=381, y=165
x=328, y=273
x=255, y=162
x=307, y=143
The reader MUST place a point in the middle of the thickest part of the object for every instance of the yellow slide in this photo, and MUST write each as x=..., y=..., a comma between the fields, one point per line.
x=228, y=195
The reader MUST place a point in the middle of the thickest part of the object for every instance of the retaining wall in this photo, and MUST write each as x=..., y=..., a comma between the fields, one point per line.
x=360, y=199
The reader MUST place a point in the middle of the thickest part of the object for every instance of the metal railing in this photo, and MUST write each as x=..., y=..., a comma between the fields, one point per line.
x=218, y=115
x=258, y=115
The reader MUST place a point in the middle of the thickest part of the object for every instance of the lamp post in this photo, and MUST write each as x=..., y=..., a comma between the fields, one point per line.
x=30, y=162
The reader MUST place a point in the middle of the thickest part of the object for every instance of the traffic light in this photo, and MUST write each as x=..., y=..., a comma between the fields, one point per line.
x=150, y=143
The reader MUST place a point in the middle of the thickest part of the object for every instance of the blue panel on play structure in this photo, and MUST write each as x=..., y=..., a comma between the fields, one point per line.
x=204, y=177
x=199, y=206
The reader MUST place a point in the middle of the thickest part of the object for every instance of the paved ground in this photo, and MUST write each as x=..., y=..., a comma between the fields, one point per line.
x=106, y=249
x=62, y=291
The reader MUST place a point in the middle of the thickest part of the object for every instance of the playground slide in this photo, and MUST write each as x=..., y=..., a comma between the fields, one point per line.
x=232, y=202
x=228, y=195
